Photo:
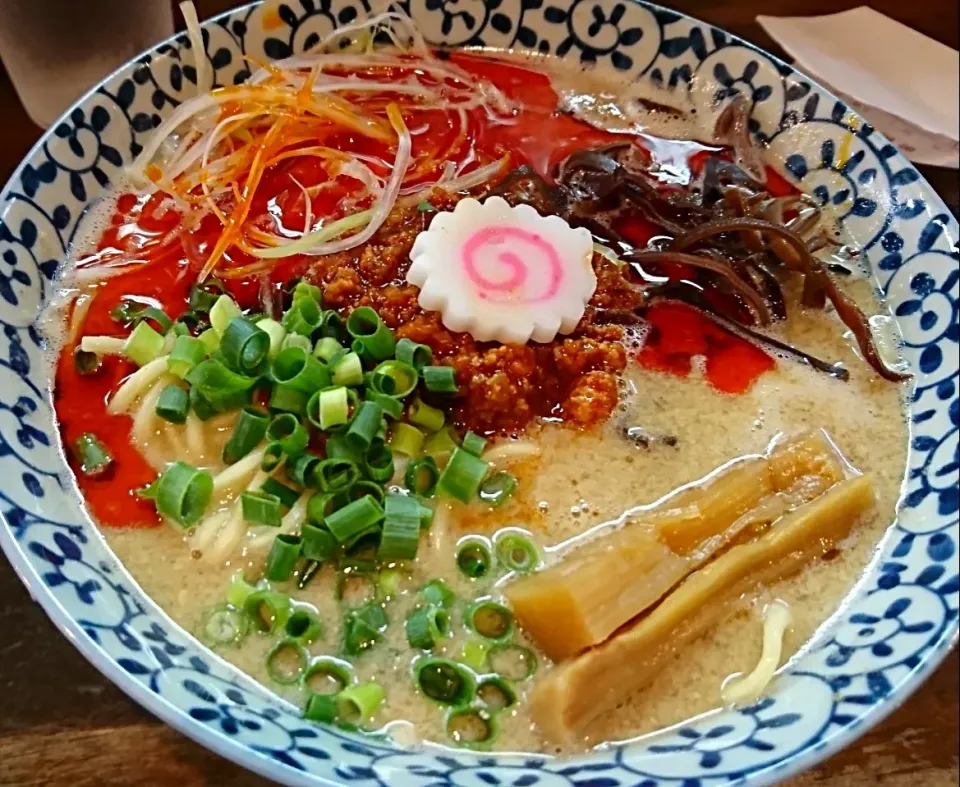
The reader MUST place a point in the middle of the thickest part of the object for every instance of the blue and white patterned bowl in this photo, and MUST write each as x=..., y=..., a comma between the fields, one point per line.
x=900, y=621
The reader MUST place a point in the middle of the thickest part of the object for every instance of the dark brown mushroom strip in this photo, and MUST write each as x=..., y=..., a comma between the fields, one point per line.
x=750, y=296
x=525, y=186
x=733, y=129
x=814, y=273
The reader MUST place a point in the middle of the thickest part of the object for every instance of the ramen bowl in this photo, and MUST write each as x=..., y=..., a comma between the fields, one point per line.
x=892, y=630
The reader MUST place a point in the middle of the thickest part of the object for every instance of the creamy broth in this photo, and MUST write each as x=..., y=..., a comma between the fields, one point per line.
x=664, y=432
x=579, y=482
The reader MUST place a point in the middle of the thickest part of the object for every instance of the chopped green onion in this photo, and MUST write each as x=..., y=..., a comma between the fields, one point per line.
x=143, y=345
x=364, y=426
x=516, y=551
x=474, y=558
x=426, y=207
x=401, y=528
x=223, y=388
x=210, y=340
x=129, y=313
x=296, y=368
x=496, y=693
x=238, y=592
x=200, y=406
x=186, y=353
x=354, y=520
x=331, y=325
x=91, y=455
x=86, y=363
x=204, y=296
x=422, y=475
x=364, y=628
x=276, y=332
x=430, y=418
x=272, y=457
x=291, y=435
x=405, y=439
x=329, y=407
x=474, y=654
x=444, y=681
x=332, y=475
x=318, y=542
x=490, y=620
x=426, y=626
x=426, y=515
x=360, y=488
x=249, y=430
x=416, y=355
x=327, y=676
x=320, y=506
x=260, y=508
x=356, y=704
x=183, y=493
x=440, y=444
x=347, y=370
x=304, y=289
x=173, y=404
x=223, y=625
x=366, y=359
x=303, y=317
x=366, y=325
x=473, y=443
x=391, y=406
x=244, y=347
x=496, y=489
x=439, y=379
x=394, y=378
x=388, y=586
x=222, y=313
x=287, y=662
x=512, y=661
x=296, y=341
x=283, y=557
x=285, y=399
x=337, y=447
x=462, y=476
x=267, y=610
x=321, y=708
x=304, y=624
x=472, y=728
x=378, y=463
x=326, y=348
x=302, y=469
x=437, y=593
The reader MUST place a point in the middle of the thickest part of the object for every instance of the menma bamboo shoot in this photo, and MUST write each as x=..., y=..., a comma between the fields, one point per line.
x=599, y=587
x=575, y=693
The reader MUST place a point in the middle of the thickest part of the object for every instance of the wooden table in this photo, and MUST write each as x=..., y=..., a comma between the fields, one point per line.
x=63, y=724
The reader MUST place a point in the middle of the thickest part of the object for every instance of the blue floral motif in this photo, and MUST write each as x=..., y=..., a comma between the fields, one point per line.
x=899, y=622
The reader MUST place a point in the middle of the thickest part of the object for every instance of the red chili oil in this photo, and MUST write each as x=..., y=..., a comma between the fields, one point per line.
x=539, y=136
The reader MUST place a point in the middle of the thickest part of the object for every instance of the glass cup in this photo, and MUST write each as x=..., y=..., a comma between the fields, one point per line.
x=55, y=50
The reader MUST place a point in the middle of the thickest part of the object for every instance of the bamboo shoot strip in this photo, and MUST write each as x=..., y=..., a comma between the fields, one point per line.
x=573, y=694
x=606, y=583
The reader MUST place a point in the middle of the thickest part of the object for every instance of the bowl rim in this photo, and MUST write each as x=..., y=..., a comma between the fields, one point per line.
x=812, y=753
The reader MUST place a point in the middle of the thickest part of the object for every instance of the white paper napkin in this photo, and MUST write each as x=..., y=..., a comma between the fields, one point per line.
x=906, y=84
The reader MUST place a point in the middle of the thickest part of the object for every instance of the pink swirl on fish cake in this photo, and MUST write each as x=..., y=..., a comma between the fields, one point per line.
x=518, y=270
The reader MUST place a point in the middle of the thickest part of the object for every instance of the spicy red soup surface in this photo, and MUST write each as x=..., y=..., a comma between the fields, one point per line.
x=501, y=388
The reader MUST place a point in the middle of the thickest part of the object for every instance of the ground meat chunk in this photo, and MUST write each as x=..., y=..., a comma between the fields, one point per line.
x=502, y=388
x=592, y=399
